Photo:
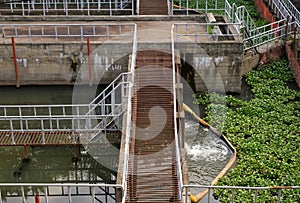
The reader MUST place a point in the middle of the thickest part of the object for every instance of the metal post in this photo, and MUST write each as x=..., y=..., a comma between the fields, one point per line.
x=287, y=26
x=23, y=195
x=15, y=62
x=46, y=195
x=89, y=62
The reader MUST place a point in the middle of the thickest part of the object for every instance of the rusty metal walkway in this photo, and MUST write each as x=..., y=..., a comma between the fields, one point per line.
x=152, y=175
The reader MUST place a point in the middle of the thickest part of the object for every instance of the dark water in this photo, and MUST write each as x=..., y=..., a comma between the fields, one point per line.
x=47, y=164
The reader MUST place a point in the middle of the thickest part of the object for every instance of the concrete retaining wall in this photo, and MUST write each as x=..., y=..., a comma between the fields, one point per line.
x=214, y=66
x=62, y=63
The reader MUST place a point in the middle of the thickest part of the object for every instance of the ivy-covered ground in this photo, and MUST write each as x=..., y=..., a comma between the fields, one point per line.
x=265, y=131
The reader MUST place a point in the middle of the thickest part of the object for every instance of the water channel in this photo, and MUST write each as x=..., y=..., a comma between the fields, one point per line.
x=207, y=153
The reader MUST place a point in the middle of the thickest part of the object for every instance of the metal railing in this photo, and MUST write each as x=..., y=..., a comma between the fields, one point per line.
x=205, y=31
x=68, y=192
x=129, y=115
x=110, y=102
x=186, y=6
x=175, y=97
x=68, y=7
x=235, y=189
x=267, y=33
x=64, y=32
x=293, y=11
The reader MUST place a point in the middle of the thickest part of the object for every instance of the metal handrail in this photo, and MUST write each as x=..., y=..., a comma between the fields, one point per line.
x=57, y=31
x=62, y=188
x=178, y=154
x=233, y=188
x=197, y=5
x=197, y=33
x=292, y=10
x=128, y=119
x=45, y=6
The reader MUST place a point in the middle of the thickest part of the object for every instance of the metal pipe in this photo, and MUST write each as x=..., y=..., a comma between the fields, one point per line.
x=89, y=62
x=15, y=62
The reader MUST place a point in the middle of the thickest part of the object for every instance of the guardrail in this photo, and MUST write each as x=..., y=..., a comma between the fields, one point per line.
x=70, y=7
x=64, y=32
x=130, y=92
x=200, y=6
x=23, y=192
x=294, y=12
x=175, y=110
x=235, y=189
x=205, y=31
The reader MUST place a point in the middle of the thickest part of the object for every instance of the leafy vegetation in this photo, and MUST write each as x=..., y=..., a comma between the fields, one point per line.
x=265, y=131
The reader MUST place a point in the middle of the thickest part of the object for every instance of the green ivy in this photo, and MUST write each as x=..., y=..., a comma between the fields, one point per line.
x=265, y=132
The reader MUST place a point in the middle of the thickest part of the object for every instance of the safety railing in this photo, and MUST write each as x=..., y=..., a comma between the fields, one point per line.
x=267, y=33
x=207, y=31
x=280, y=9
x=64, y=32
x=245, y=18
x=234, y=192
x=175, y=110
x=110, y=102
x=128, y=128
x=68, y=7
x=293, y=11
x=186, y=6
x=67, y=192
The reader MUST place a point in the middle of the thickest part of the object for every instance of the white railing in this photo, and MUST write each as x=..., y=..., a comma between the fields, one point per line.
x=205, y=32
x=67, y=192
x=175, y=110
x=129, y=115
x=235, y=190
x=64, y=32
x=294, y=12
x=110, y=102
x=68, y=7
x=267, y=33
x=186, y=6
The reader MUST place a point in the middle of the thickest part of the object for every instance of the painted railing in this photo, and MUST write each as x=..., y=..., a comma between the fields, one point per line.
x=68, y=7
x=293, y=11
x=188, y=6
x=66, y=192
x=176, y=110
x=36, y=33
x=128, y=128
x=205, y=32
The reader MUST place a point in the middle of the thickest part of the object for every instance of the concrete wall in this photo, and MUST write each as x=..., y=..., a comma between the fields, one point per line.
x=62, y=63
x=215, y=66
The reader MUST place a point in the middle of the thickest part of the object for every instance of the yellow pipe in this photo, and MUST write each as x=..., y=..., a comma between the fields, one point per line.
x=199, y=196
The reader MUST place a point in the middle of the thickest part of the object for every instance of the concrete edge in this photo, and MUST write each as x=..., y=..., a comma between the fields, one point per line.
x=103, y=18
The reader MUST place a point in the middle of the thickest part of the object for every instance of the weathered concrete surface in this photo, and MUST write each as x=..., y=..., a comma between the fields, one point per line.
x=249, y=63
x=63, y=63
x=214, y=66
